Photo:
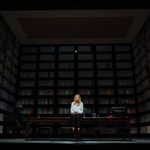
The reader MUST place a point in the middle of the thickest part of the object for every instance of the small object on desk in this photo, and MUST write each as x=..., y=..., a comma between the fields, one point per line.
x=110, y=116
x=93, y=115
x=38, y=115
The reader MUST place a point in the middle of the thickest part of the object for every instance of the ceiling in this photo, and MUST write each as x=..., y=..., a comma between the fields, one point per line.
x=64, y=26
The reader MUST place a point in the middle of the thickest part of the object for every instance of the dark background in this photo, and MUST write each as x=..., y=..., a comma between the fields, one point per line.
x=72, y=4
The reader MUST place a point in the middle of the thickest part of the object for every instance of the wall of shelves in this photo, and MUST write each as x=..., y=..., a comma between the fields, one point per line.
x=102, y=74
x=9, y=54
x=141, y=54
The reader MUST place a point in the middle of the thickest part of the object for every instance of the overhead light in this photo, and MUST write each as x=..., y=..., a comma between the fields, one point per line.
x=75, y=51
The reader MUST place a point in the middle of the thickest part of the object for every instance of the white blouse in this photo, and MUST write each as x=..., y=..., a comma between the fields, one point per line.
x=76, y=108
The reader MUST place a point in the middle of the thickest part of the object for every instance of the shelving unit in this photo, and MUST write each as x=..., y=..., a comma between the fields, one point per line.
x=46, y=79
x=66, y=79
x=85, y=77
x=105, y=79
x=125, y=83
x=9, y=54
x=26, y=99
x=141, y=55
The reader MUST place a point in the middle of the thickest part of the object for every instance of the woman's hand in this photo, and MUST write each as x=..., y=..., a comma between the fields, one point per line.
x=76, y=112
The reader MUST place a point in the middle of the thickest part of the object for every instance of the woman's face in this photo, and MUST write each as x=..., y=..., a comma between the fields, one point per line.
x=77, y=98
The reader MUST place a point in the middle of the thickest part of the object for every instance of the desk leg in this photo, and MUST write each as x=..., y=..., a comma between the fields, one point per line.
x=129, y=131
x=27, y=132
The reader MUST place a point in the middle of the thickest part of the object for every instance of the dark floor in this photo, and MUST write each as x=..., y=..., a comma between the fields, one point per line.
x=65, y=143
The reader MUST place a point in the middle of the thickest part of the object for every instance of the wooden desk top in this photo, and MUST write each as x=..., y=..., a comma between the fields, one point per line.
x=68, y=119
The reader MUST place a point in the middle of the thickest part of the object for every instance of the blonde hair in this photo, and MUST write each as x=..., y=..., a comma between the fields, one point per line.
x=75, y=102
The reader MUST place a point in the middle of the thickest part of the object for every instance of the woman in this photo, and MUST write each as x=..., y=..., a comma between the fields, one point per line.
x=76, y=111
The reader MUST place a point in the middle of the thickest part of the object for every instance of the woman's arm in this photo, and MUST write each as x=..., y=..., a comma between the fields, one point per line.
x=71, y=109
x=81, y=108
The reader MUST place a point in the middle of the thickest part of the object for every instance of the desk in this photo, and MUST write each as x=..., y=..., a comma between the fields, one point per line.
x=97, y=122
